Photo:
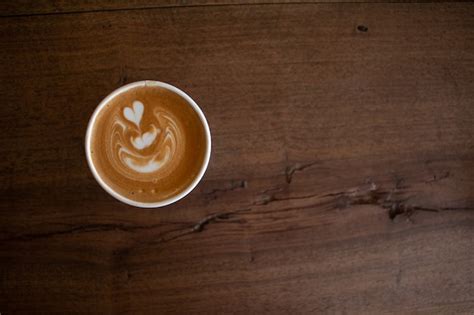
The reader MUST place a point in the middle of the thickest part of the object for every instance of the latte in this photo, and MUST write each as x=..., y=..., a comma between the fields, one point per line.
x=148, y=144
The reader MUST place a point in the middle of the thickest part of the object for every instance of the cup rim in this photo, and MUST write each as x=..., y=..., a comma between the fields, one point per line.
x=115, y=194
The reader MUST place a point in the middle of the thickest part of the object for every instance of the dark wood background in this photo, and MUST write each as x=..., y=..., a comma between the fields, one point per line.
x=342, y=171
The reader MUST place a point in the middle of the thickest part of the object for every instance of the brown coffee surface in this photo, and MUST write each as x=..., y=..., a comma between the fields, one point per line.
x=148, y=144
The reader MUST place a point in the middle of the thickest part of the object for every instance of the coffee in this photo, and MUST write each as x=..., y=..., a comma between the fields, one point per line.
x=148, y=143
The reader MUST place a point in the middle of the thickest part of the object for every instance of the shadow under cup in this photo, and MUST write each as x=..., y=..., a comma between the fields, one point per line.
x=148, y=144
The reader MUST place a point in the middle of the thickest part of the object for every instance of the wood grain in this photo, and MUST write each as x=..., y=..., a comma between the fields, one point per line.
x=341, y=178
x=41, y=7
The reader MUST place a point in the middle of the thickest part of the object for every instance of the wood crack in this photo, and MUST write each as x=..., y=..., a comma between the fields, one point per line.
x=85, y=228
x=234, y=185
x=396, y=201
x=201, y=225
x=292, y=169
x=145, y=7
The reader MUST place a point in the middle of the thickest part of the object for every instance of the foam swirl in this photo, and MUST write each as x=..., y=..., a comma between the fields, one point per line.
x=140, y=150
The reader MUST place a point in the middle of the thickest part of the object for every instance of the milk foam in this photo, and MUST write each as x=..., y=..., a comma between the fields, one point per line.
x=148, y=148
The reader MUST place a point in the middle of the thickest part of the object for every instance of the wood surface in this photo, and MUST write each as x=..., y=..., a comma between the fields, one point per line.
x=42, y=7
x=342, y=171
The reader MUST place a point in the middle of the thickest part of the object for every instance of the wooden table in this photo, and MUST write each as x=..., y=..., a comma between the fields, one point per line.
x=342, y=171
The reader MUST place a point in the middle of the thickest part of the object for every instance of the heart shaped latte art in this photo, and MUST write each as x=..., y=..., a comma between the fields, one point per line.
x=146, y=139
x=134, y=115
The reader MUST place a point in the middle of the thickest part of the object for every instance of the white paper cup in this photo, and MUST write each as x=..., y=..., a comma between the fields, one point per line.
x=115, y=194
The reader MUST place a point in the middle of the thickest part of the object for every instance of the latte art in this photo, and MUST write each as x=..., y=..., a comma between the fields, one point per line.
x=148, y=144
x=137, y=148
